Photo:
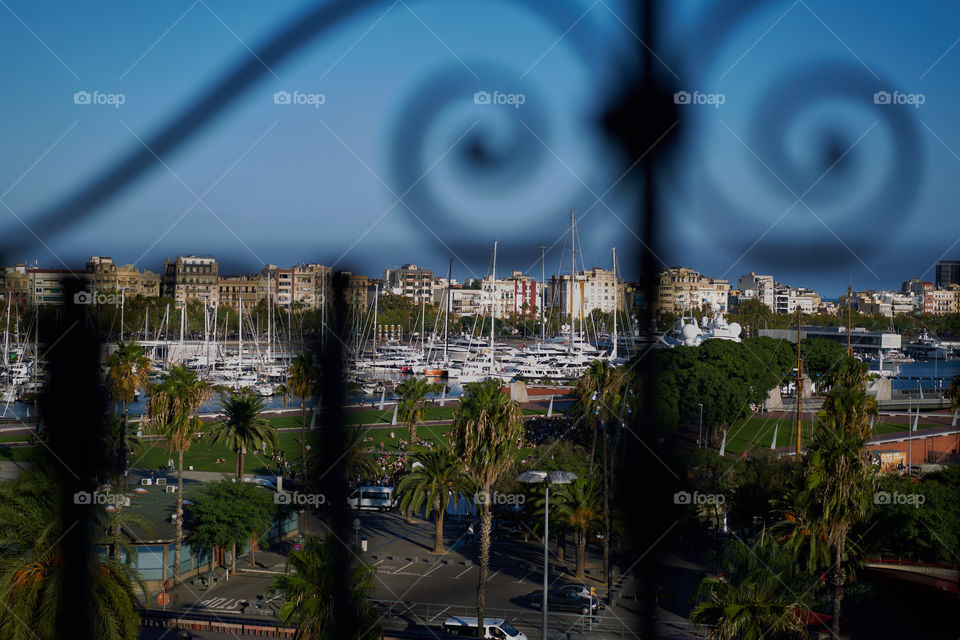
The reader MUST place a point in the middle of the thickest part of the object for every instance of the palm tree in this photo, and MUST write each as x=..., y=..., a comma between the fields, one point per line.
x=412, y=394
x=578, y=508
x=851, y=407
x=119, y=440
x=301, y=382
x=430, y=486
x=839, y=494
x=487, y=424
x=244, y=427
x=128, y=370
x=31, y=567
x=171, y=412
x=598, y=401
x=745, y=599
x=850, y=373
x=311, y=597
x=839, y=481
x=283, y=391
x=597, y=398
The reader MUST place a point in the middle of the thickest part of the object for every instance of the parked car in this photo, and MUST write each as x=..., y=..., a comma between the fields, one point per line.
x=581, y=590
x=564, y=601
x=495, y=628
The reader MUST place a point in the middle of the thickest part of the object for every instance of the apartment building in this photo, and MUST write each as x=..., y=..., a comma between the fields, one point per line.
x=16, y=285
x=190, y=278
x=682, y=289
x=758, y=287
x=241, y=290
x=410, y=281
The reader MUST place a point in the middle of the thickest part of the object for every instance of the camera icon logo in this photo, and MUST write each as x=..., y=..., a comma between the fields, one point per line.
x=681, y=97
x=82, y=297
x=284, y=497
x=682, y=497
x=281, y=97
x=81, y=97
x=881, y=97
x=481, y=97
x=881, y=497
x=82, y=497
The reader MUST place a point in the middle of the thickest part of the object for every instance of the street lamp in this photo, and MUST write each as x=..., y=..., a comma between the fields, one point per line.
x=553, y=477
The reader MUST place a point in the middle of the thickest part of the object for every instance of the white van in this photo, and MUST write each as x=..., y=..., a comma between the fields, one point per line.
x=379, y=498
x=493, y=628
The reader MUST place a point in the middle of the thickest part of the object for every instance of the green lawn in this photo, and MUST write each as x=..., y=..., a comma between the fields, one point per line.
x=756, y=432
x=203, y=454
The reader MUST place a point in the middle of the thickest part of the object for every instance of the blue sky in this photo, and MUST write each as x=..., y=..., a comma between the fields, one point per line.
x=284, y=183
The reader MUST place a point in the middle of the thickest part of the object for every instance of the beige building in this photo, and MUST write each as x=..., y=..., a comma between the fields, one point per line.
x=685, y=289
x=247, y=290
x=16, y=285
x=944, y=301
x=109, y=276
x=190, y=278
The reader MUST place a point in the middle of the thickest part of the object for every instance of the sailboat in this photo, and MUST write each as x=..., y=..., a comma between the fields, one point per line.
x=485, y=366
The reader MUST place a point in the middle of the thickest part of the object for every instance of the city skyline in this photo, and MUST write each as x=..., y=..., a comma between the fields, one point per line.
x=507, y=170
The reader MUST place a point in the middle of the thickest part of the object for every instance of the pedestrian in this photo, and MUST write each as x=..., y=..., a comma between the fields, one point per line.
x=470, y=531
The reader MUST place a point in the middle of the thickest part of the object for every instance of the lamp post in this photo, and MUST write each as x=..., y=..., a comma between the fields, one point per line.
x=700, y=433
x=553, y=477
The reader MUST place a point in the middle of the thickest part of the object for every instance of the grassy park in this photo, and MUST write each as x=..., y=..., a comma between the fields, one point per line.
x=755, y=432
x=203, y=455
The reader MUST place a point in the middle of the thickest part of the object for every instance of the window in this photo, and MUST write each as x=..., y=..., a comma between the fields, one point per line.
x=149, y=561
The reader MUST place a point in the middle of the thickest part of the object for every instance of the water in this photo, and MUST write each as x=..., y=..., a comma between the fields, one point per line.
x=138, y=407
x=929, y=374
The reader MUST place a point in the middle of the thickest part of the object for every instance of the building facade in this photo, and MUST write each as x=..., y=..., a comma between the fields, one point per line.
x=191, y=278
x=947, y=272
x=683, y=289
x=410, y=281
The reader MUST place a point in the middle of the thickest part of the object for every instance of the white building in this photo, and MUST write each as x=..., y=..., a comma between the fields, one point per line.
x=595, y=289
x=760, y=287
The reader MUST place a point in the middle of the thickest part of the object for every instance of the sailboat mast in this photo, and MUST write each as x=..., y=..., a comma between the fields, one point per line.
x=616, y=303
x=543, y=293
x=122, y=298
x=6, y=337
x=446, y=315
x=493, y=300
x=183, y=325
x=376, y=305
x=269, y=310
x=240, y=338
x=573, y=273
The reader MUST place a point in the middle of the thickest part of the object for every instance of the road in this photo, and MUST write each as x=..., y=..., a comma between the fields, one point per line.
x=416, y=588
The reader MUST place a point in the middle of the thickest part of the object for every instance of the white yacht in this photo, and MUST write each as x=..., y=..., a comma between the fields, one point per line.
x=927, y=347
